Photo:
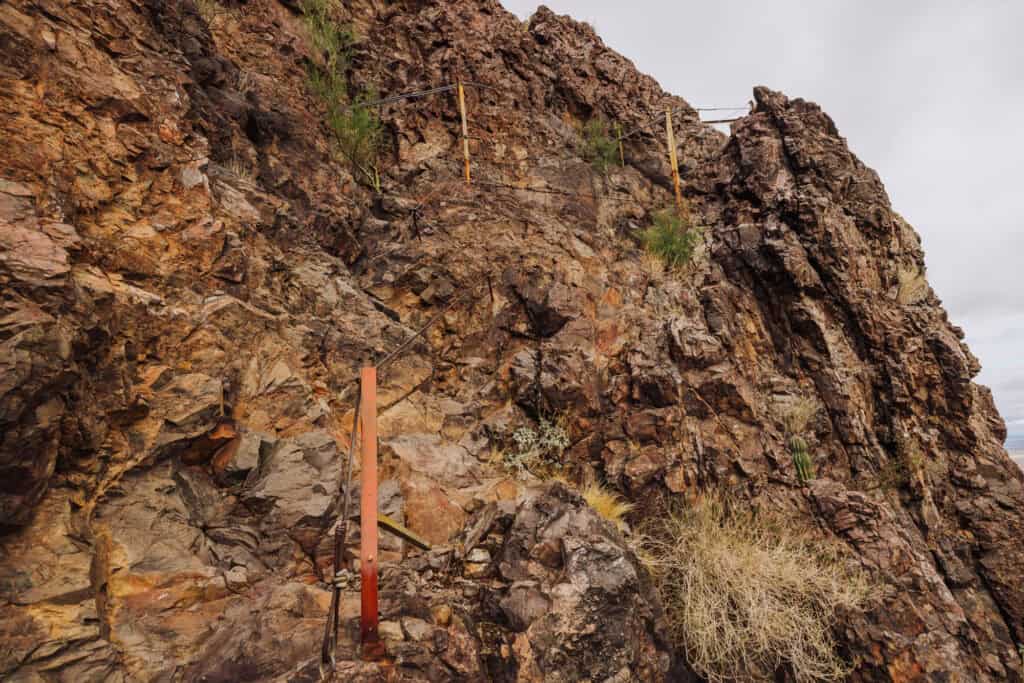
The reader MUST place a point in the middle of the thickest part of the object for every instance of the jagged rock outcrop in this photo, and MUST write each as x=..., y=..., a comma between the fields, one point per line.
x=189, y=281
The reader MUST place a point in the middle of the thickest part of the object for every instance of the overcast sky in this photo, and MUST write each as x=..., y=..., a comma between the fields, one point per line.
x=929, y=94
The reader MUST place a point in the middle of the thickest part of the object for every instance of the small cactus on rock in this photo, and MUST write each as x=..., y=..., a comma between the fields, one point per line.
x=801, y=459
x=796, y=420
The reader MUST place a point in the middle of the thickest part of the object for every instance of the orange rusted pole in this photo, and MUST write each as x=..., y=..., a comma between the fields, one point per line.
x=369, y=637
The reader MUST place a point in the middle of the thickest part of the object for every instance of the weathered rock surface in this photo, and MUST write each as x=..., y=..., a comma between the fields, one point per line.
x=189, y=281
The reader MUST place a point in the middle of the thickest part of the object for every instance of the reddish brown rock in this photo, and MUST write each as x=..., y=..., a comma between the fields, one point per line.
x=181, y=250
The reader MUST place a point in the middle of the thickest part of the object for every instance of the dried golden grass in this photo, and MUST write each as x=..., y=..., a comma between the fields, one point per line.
x=210, y=10
x=913, y=286
x=745, y=596
x=798, y=415
x=607, y=503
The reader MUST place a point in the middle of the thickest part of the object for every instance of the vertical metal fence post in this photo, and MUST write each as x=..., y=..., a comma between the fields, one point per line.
x=372, y=648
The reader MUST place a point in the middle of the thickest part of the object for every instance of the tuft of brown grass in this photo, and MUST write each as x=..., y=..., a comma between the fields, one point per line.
x=746, y=595
x=210, y=10
x=607, y=503
x=237, y=167
x=912, y=285
x=798, y=415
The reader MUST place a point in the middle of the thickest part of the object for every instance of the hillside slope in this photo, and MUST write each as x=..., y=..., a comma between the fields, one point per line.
x=191, y=280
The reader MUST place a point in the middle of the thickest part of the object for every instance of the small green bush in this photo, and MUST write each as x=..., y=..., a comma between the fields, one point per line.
x=672, y=239
x=356, y=128
x=330, y=39
x=597, y=145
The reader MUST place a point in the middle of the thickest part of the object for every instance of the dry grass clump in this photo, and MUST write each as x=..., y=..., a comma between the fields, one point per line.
x=237, y=167
x=607, y=503
x=913, y=286
x=798, y=415
x=210, y=10
x=908, y=467
x=745, y=596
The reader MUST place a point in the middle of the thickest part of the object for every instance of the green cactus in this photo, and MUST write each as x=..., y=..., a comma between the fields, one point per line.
x=796, y=420
x=801, y=459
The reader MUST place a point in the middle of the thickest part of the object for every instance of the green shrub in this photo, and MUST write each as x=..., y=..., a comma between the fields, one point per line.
x=747, y=594
x=356, y=128
x=597, y=145
x=672, y=239
x=357, y=131
x=333, y=41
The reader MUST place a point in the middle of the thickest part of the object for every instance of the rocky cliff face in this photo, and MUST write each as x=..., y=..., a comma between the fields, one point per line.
x=190, y=282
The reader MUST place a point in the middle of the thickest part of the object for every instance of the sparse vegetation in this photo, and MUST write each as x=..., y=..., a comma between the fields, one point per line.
x=796, y=420
x=358, y=132
x=356, y=128
x=597, y=145
x=537, y=451
x=912, y=285
x=746, y=595
x=607, y=503
x=238, y=168
x=245, y=83
x=801, y=459
x=798, y=415
x=209, y=10
x=904, y=466
x=672, y=239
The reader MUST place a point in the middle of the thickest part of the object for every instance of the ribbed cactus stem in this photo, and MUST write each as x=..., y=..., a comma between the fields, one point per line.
x=801, y=459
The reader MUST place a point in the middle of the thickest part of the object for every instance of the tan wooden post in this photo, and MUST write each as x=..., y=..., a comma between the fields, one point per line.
x=618, y=135
x=672, y=160
x=465, y=129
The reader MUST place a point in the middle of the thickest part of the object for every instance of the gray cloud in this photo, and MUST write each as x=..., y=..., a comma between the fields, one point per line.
x=929, y=94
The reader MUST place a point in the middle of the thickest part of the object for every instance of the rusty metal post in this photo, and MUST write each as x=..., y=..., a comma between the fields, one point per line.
x=368, y=561
x=465, y=128
x=672, y=160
